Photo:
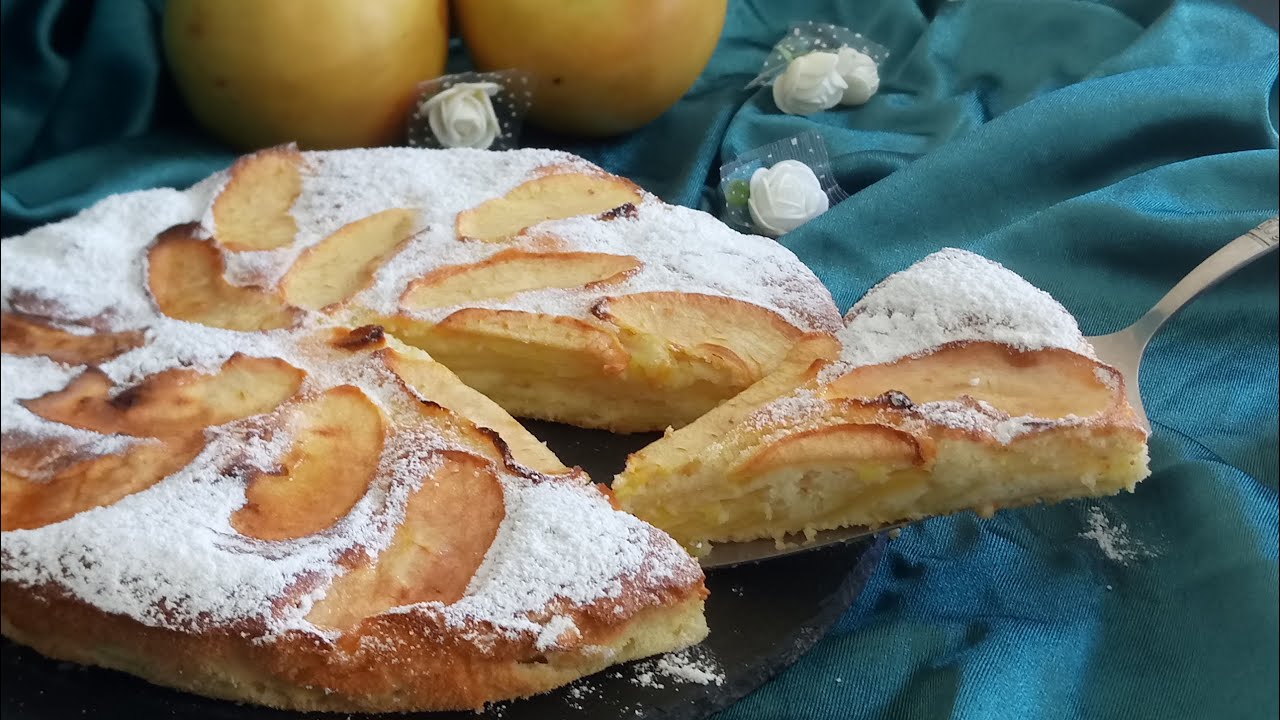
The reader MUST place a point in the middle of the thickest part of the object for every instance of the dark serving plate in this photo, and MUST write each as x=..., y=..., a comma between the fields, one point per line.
x=763, y=617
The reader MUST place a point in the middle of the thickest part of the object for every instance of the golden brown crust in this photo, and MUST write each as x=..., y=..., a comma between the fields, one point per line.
x=393, y=662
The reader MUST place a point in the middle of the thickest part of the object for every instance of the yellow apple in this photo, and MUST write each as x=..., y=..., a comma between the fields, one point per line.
x=322, y=73
x=601, y=67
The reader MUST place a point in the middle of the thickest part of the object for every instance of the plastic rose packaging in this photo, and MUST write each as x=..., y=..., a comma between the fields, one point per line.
x=472, y=110
x=817, y=66
x=778, y=187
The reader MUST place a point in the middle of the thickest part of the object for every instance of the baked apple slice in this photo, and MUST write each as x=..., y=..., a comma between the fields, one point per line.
x=25, y=335
x=549, y=197
x=1046, y=383
x=93, y=482
x=514, y=271
x=185, y=275
x=345, y=262
x=435, y=383
x=172, y=403
x=337, y=445
x=666, y=329
x=449, y=523
x=252, y=211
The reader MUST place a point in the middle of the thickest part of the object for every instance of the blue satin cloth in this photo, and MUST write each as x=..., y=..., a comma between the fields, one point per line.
x=1100, y=149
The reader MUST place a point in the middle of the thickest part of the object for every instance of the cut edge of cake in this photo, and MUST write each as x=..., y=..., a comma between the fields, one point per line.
x=956, y=385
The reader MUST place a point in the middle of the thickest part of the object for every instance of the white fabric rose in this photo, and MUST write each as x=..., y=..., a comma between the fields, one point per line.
x=860, y=74
x=463, y=115
x=809, y=84
x=784, y=197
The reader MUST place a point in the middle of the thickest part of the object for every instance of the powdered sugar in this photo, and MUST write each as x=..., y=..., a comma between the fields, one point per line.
x=981, y=417
x=684, y=666
x=951, y=296
x=1112, y=538
x=23, y=378
x=538, y=556
x=342, y=186
x=685, y=250
x=169, y=557
x=1109, y=377
x=27, y=377
x=682, y=250
x=553, y=631
x=788, y=411
x=88, y=268
x=173, y=344
x=258, y=268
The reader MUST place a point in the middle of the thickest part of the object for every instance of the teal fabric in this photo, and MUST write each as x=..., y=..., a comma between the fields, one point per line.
x=1101, y=149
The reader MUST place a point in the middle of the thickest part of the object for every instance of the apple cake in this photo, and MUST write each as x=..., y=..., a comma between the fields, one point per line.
x=955, y=384
x=257, y=435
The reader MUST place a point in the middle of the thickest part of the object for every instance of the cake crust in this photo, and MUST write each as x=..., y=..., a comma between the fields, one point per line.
x=395, y=663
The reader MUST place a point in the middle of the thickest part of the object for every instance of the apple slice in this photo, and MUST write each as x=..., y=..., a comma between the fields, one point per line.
x=436, y=383
x=549, y=197
x=835, y=447
x=252, y=211
x=737, y=341
x=514, y=271
x=449, y=524
x=345, y=262
x=185, y=274
x=90, y=483
x=24, y=335
x=174, y=402
x=479, y=338
x=1048, y=383
x=337, y=446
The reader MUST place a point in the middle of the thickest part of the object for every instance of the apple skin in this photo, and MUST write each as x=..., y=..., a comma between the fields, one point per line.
x=601, y=67
x=321, y=73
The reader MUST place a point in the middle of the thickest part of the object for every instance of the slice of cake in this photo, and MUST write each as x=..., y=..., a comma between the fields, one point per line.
x=954, y=385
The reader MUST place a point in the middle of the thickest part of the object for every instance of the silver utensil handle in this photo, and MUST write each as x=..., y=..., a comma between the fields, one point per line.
x=1216, y=268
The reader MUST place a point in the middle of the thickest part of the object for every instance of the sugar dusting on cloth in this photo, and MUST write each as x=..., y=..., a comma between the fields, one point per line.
x=1113, y=539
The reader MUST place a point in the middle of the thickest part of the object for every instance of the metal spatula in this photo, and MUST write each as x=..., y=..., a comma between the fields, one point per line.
x=1122, y=350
